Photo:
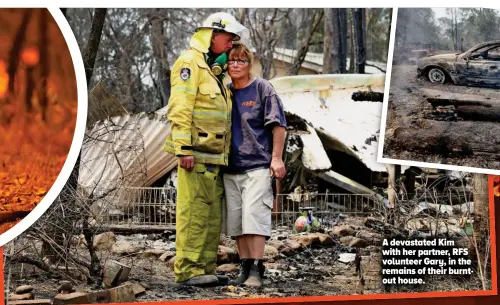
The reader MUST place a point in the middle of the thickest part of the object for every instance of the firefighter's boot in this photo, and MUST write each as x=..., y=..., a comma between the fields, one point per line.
x=201, y=281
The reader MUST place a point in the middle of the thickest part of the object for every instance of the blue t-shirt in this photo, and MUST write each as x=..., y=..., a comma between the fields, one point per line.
x=257, y=108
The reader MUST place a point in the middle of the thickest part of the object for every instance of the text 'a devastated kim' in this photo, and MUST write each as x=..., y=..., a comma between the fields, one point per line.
x=418, y=243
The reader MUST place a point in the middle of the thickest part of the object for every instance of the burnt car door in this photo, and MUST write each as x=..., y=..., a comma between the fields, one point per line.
x=481, y=66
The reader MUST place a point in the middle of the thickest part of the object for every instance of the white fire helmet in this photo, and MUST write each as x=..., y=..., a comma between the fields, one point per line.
x=223, y=22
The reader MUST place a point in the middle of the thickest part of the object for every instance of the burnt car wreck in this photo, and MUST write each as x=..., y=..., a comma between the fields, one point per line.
x=479, y=66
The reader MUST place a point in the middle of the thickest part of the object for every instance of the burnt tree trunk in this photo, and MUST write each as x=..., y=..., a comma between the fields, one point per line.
x=352, y=58
x=336, y=40
x=358, y=17
x=311, y=27
x=90, y=51
x=328, y=49
x=16, y=50
x=340, y=39
x=89, y=57
x=160, y=55
x=44, y=62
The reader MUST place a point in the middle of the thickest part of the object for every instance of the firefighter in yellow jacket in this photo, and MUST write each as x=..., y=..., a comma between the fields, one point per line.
x=199, y=111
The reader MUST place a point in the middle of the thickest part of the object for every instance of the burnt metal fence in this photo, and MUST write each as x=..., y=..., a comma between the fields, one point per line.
x=154, y=208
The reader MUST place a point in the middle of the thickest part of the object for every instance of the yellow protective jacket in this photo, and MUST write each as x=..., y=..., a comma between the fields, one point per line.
x=198, y=111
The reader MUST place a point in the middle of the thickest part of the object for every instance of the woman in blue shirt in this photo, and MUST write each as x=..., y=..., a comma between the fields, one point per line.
x=257, y=140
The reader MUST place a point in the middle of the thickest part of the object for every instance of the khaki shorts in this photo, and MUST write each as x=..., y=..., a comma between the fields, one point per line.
x=249, y=202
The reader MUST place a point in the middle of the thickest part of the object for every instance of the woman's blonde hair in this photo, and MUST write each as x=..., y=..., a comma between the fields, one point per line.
x=240, y=50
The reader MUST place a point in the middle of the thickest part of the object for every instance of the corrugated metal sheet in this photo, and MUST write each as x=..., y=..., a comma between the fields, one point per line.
x=325, y=102
x=136, y=141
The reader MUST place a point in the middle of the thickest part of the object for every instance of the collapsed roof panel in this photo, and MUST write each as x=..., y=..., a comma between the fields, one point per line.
x=314, y=156
x=325, y=102
x=126, y=150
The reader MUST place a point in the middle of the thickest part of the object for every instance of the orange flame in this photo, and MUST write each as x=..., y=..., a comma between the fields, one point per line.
x=4, y=79
x=30, y=56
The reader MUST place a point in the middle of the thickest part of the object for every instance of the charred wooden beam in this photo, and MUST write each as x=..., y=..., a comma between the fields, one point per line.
x=444, y=98
x=466, y=106
x=367, y=96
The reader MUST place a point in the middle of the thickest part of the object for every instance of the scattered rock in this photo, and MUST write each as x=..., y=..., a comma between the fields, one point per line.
x=347, y=257
x=324, y=239
x=270, y=252
x=24, y=289
x=342, y=231
x=293, y=244
x=307, y=240
x=226, y=255
x=167, y=255
x=354, y=242
x=346, y=240
x=152, y=253
x=19, y=297
x=227, y=268
x=358, y=243
x=370, y=238
x=104, y=241
x=278, y=244
x=136, y=287
x=65, y=287
x=287, y=251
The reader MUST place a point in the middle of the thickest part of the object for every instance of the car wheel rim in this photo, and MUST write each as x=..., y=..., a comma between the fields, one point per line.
x=436, y=76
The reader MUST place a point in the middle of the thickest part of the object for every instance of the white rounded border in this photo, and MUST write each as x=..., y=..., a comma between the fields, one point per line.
x=81, y=119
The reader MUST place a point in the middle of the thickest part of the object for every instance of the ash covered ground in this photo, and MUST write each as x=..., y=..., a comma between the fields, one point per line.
x=409, y=109
x=311, y=264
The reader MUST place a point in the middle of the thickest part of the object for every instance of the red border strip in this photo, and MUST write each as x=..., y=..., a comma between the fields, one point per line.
x=493, y=235
x=469, y=297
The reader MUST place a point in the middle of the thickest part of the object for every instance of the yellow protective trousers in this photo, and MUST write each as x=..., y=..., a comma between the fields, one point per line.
x=198, y=220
